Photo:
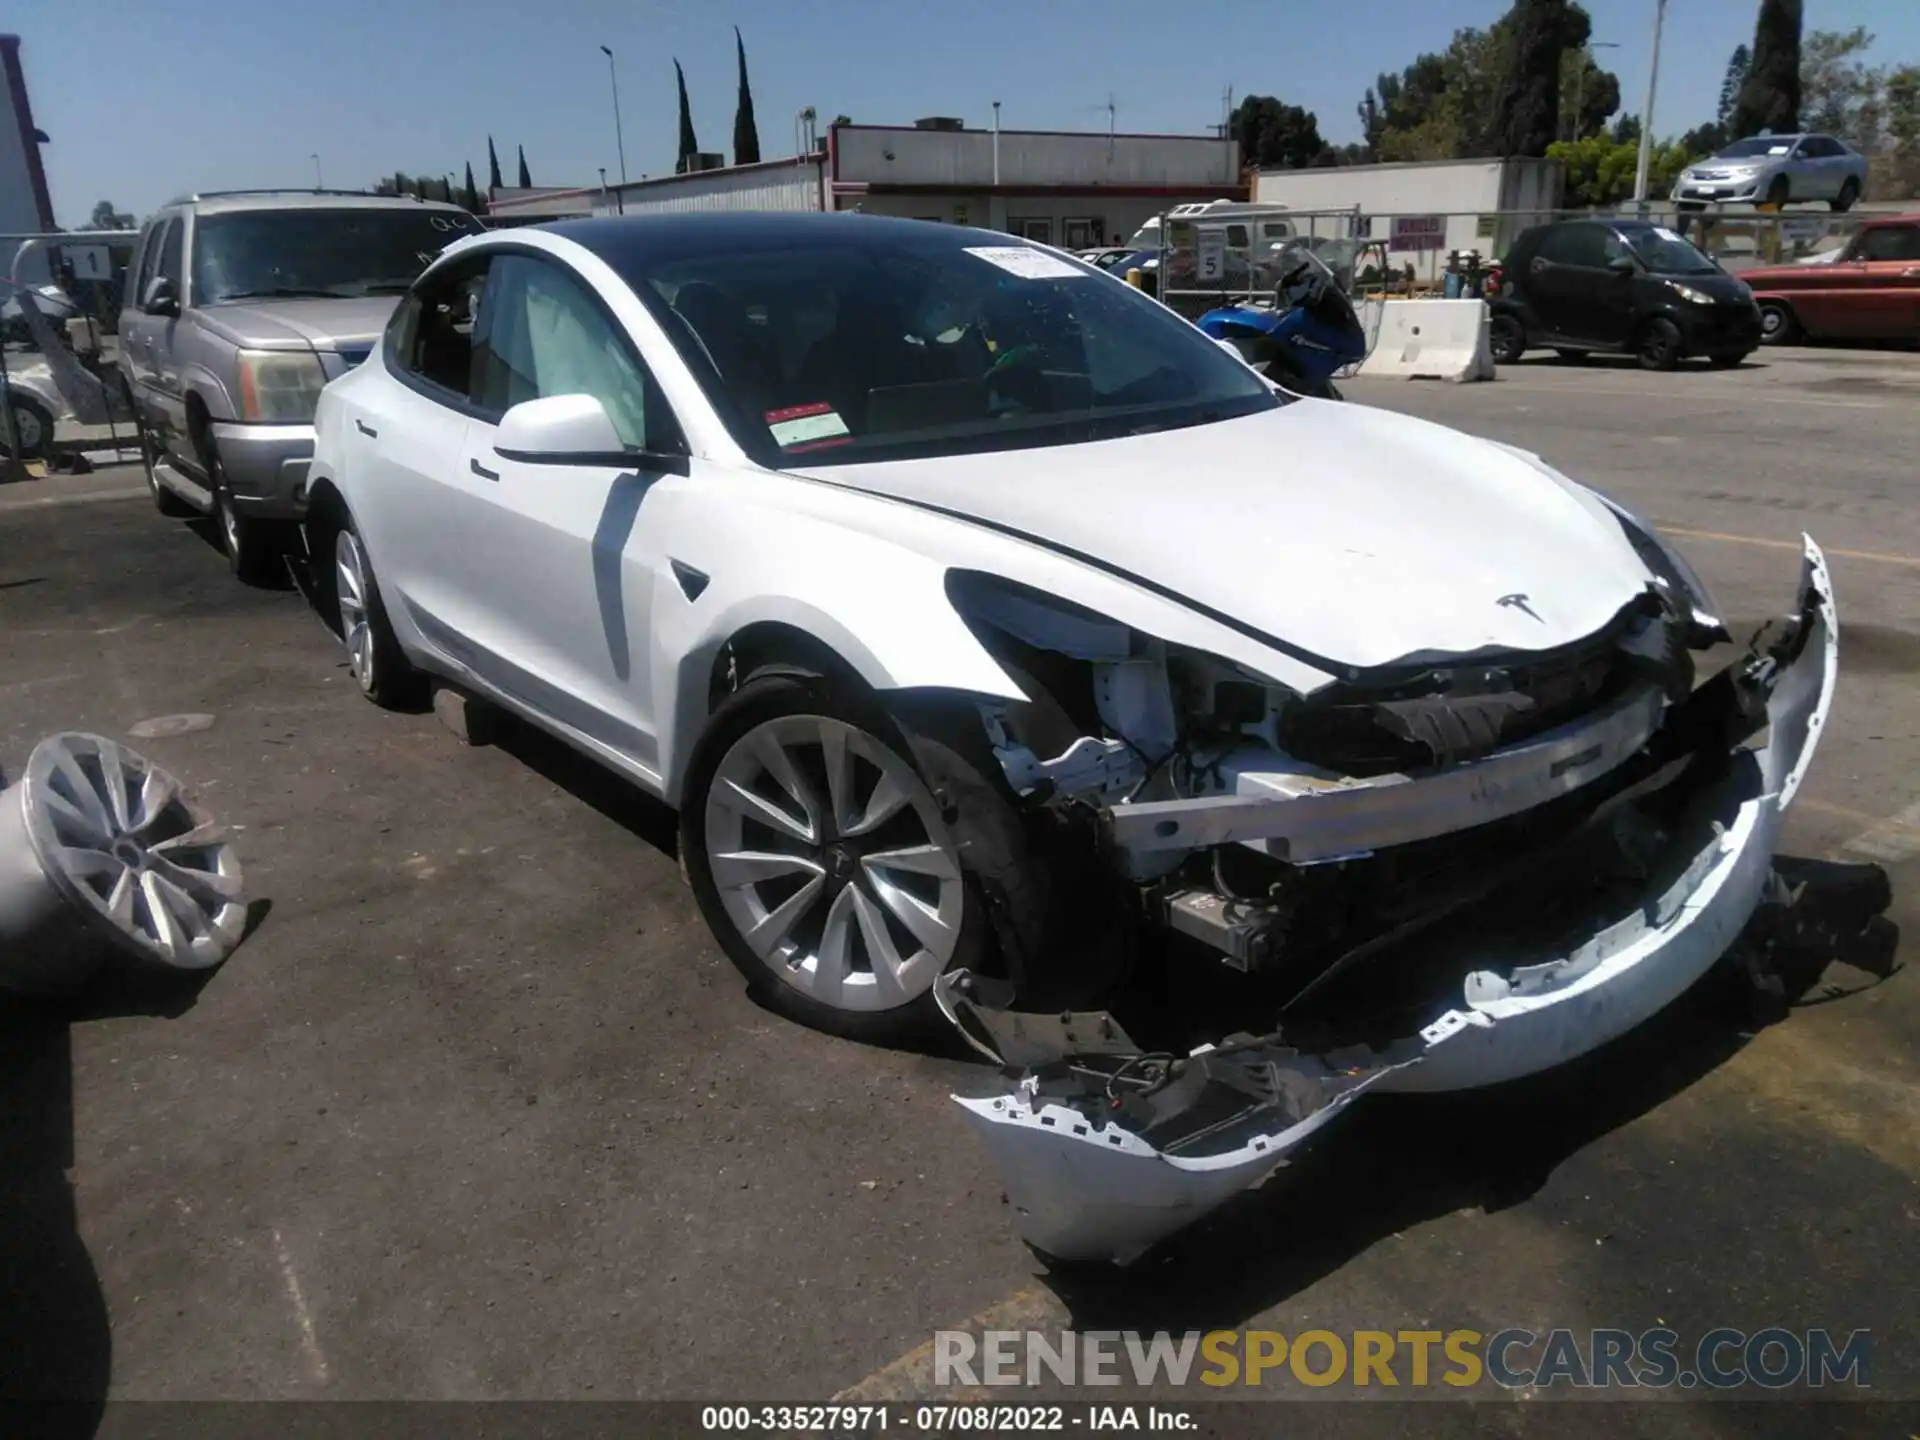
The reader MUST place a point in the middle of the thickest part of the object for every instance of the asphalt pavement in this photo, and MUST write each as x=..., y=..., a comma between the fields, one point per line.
x=479, y=1111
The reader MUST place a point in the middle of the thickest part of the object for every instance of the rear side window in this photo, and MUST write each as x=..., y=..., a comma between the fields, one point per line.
x=1891, y=242
x=144, y=260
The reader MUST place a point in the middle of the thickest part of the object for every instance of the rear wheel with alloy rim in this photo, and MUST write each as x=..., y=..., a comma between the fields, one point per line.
x=379, y=666
x=30, y=429
x=822, y=860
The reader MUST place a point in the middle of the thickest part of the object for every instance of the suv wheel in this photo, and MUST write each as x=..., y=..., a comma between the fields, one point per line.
x=1849, y=193
x=253, y=547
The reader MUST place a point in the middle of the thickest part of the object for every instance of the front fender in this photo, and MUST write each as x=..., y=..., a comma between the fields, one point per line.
x=880, y=606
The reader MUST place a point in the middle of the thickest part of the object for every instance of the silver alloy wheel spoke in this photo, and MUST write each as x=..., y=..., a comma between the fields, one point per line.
x=350, y=587
x=841, y=935
x=736, y=868
x=120, y=836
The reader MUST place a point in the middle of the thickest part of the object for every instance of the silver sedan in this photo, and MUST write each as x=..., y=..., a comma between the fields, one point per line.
x=1777, y=170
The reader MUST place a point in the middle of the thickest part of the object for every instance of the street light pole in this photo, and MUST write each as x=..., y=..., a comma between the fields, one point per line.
x=1646, y=119
x=318, y=183
x=619, y=140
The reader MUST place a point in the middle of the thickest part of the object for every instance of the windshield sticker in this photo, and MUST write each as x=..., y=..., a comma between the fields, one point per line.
x=1778, y=149
x=1664, y=233
x=1026, y=262
x=798, y=424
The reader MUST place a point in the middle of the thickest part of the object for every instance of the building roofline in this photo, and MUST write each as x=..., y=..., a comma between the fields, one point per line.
x=1079, y=134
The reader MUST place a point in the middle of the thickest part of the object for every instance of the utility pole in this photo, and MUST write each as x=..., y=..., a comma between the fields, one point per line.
x=619, y=140
x=318, y=183
x=1646, y=119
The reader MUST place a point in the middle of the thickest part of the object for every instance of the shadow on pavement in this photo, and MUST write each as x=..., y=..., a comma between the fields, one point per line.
x=586, y=780
x=1401, y=1160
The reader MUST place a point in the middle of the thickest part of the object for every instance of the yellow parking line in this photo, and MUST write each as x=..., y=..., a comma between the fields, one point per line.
x=911, y=1376
x=1876, y=556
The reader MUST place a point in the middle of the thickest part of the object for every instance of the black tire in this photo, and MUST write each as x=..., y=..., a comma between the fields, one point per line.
x=164, y=500
x=1778, y=324
x=382, y=671
x=971, y=805
x=1507, y=339
x=1844, y=201
x=31, y=428
x=1572, y=357
x=1779, y=192
x=1659, y=345
x=253, y=547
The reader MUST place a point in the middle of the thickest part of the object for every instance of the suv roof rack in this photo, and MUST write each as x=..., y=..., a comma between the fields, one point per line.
x=199, y=195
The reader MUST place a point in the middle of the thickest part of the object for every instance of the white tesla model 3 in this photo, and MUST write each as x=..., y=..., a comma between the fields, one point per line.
x=979, y=614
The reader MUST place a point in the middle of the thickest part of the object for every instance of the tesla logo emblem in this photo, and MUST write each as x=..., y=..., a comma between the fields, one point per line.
x=1518, y=601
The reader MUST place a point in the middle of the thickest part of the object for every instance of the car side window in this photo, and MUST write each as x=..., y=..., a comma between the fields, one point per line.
x=543, y=333
x=1890, y=242
x=171, y=247
x=1582, y=245
x=432, y=332
x=143, y=269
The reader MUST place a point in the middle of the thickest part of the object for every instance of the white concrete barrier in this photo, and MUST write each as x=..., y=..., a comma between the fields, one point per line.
x=1431, y=340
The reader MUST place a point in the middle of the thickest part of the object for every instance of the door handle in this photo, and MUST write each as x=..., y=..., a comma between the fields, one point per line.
x=482, y=471
x=365, y=429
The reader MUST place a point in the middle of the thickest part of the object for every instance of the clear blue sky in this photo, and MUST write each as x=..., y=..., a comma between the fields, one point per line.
x=148, y=98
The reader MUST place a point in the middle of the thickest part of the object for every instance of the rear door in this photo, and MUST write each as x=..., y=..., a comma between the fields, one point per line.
x=136, y=326
x=558, y=564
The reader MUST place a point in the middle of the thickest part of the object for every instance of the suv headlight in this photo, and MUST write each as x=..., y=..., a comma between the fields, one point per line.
x=279, y=386
x=1689, y=294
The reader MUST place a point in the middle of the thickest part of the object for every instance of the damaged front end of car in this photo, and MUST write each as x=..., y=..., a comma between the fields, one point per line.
x=1350, y=851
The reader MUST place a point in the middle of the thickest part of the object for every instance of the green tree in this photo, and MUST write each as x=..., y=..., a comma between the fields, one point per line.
x=1839, y=92
x=1529, y=107
x=1600, y=170
x=1737, y=66
x=746, y=137
x=1770, y=97
x=105, y=217
x=1896, y=174
x=1626, y=130
x=1588, y=94
x=494, y=182
x=526, y=180
x=1275, y=136
x=470, y=196
x=689, y=147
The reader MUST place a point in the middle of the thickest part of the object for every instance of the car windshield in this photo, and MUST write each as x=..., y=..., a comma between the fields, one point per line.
x=1665, y=253
x=908, y=341
x=254, y=254
x=1759, y=145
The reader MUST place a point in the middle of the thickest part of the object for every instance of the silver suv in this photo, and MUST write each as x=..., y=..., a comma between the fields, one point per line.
x=240, y=306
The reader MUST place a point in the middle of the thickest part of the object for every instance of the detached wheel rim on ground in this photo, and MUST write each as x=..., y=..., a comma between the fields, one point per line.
x=832, y=863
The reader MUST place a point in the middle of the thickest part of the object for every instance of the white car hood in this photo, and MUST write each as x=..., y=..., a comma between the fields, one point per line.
x=1355, y=535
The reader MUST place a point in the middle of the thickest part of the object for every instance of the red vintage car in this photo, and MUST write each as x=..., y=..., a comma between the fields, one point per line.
x=1871, y=292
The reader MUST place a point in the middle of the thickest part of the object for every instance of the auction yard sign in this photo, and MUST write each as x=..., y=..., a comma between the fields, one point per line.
x=1419, y=232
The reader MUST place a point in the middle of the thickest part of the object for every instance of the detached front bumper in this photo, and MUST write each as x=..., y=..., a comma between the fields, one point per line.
x=1098, y=1166
x=266, y=468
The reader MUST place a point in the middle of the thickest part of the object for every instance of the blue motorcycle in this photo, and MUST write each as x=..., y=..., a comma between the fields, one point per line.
x=1308, y=335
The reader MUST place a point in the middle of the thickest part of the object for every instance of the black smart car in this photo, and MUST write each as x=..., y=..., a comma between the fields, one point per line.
x=1625, y=287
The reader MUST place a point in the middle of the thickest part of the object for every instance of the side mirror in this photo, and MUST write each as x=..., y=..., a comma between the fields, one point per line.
x=160, y=297
x=1622, y=265
x=572, y=430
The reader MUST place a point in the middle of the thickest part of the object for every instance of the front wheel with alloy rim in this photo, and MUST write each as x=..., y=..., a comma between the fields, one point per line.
x=253, y=548
x=379, y=666
x=1660, y=345
x=29, y=431
x=1507, y=338
x=1778, y=324
x=822, y=861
